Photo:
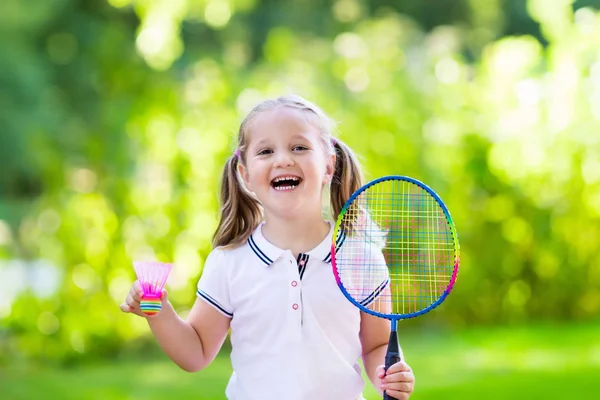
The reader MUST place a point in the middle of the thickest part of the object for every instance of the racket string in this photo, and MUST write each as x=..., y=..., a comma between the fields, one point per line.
x=405, y=226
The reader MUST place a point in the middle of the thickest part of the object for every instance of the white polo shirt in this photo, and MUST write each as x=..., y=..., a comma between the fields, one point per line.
x=293, y=333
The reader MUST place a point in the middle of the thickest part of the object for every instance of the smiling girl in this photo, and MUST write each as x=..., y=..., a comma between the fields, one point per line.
x=269, y=280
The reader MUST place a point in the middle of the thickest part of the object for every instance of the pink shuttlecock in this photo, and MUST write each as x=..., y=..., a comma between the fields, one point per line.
x=152, y=276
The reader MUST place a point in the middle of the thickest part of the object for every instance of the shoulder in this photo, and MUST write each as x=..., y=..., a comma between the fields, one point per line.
x=233, y=252
x=222, y=263
x=227, y=255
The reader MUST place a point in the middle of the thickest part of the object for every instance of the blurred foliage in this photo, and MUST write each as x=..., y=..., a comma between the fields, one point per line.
x=117, y=116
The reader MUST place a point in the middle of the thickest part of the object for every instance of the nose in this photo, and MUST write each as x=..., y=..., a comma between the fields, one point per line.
x=283, y=159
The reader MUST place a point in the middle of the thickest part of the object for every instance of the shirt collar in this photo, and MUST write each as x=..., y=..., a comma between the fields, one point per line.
x=268, y=252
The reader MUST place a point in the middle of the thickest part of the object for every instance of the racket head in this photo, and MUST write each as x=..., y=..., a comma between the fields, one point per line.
x=395, y=250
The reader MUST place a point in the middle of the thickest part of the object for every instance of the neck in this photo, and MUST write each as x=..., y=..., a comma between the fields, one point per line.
x=299, y=235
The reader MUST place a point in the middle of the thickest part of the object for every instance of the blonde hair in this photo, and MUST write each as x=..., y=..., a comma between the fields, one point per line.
x=241, y=212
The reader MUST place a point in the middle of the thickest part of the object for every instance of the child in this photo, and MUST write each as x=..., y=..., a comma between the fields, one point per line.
x=293, y=333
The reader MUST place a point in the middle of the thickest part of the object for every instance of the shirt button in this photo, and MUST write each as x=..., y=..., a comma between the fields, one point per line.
x=301, y=262
x=294, y=283
x=295, y=306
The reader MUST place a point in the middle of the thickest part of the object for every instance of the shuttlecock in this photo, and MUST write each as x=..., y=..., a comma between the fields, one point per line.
x=152, y=276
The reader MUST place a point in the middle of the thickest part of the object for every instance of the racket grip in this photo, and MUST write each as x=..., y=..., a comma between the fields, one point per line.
x=392, y=356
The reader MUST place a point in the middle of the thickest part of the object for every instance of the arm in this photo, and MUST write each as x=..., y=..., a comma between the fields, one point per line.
x=399, y=380
x=374, y=336
x=192, y=344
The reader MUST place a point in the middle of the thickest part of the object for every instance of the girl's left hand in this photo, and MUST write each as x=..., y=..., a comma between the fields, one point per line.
x=398, y=382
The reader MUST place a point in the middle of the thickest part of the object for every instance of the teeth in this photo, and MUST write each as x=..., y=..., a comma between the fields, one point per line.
x=285, y=183
x=282, y=178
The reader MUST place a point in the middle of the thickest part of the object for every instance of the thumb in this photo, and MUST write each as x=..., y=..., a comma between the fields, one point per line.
x=163, y=296
x=380, y=371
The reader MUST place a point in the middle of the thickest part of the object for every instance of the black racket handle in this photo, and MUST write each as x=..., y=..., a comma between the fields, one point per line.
x=392, y=356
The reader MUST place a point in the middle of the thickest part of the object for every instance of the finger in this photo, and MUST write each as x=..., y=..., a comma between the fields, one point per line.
x=397, y=395
x=132, y=306
x=380, y=371
x=398, y=367
x=126, y=307
x=133, y=303
x=400, y=377
x=400, y=387
x=136, y=291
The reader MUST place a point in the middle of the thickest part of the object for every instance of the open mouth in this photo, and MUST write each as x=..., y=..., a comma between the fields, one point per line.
x=285, y=182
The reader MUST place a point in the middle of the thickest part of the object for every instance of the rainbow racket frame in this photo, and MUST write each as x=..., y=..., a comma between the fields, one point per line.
x=338, y=231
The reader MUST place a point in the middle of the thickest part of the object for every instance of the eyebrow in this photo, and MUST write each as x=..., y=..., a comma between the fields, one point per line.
x=261, y=142
x=302, y=136
x=295, y=137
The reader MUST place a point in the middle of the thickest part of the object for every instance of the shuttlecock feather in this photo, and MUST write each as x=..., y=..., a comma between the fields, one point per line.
x=152, y=276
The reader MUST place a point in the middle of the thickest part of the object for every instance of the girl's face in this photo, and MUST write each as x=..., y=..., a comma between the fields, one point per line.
x=286, y=164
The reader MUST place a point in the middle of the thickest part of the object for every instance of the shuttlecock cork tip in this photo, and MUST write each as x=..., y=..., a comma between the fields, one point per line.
x=150, y=305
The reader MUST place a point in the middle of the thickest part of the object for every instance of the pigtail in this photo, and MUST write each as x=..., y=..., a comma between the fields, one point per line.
x=240, y=211
x=347, y=177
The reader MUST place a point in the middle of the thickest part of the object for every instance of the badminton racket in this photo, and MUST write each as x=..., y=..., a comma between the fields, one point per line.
x=395, y=252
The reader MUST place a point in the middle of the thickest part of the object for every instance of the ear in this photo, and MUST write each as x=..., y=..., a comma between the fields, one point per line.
x=244, y=174
x=330, y=168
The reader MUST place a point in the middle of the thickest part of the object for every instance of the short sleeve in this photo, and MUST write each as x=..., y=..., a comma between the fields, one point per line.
x=379, y=277
x=213, y=286
x=364, y=272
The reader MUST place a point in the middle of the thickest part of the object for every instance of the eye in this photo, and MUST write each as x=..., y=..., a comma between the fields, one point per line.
x=299, y=148
x=264, y=152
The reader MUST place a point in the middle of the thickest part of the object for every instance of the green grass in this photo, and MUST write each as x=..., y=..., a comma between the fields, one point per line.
x=553, y=362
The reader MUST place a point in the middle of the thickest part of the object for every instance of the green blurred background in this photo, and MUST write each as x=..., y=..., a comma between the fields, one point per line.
x=116, y=117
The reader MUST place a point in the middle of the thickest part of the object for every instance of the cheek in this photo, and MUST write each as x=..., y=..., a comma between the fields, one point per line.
x=320, y=176
x=258, y=176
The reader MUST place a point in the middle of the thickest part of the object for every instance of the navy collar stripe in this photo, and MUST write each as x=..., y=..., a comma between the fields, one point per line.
x=268, y=253
x=302, y=268
x=259, y=252
x=214, y=303
x=375, y=293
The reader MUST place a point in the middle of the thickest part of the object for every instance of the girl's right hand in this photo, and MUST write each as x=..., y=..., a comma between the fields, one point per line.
x=132, y=301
